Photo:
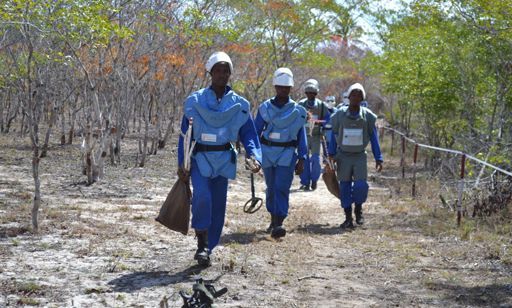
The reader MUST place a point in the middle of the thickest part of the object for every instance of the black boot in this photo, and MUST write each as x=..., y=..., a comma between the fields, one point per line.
x=278, y=230
x=313, y=185
x=202, y=253
x=273, y=219
x=347, y=224
x=358, y=210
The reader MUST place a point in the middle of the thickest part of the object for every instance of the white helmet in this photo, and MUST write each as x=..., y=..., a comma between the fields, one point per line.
x=216, y=57
x=356, y=86
x=283, y=76
x=345, y=100
x=311, y=85
x=330, y=101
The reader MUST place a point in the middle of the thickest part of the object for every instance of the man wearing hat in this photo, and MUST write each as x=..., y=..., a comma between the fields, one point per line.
x=353, y=128
x=318, y=116
x=219, y=118
x=280, y=125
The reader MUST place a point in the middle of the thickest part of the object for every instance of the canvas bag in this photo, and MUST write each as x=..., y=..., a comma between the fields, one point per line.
x=175, y=212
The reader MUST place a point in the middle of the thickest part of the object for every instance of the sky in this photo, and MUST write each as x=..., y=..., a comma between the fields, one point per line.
x=367, y=22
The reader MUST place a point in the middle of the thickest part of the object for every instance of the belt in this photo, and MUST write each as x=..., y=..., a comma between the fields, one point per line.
x=212, y=148
x=292, y=143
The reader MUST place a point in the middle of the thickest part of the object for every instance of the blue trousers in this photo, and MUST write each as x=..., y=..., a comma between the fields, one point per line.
x=279, y=180
x=355, y=192
x=208, y=204
x=311, y=171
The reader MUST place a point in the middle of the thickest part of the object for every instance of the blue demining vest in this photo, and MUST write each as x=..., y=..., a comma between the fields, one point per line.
x=215, y=126
x=279, y=136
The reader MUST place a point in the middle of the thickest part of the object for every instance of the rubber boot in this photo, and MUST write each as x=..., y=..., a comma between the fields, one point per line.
x=358, y=210
x=278, y=230
x=202, y=253
x=271, y=226
x=313, y=185
x=347, y=224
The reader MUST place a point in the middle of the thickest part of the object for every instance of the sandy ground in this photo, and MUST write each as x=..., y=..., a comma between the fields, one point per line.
x=99, y=245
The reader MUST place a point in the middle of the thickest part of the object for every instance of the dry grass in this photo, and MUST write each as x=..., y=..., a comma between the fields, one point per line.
x=410, y=252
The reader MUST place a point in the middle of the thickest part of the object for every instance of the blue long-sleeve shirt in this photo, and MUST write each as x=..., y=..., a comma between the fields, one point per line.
x=302, y=146
x=374, y=142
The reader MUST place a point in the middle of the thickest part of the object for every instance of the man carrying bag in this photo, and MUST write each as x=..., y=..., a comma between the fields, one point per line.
x=175, y=212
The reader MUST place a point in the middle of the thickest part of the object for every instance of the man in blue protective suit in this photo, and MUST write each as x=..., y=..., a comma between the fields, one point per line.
x=318, y=117
x=280, y=125
x=219, y=118
x=353, y=128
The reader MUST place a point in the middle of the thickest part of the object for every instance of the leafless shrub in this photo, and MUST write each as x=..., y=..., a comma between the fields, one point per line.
x=495, y=196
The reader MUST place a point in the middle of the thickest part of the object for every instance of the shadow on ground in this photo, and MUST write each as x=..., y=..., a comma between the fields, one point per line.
x=493, y=295
x=325, y=229
x=139, y=280
x=244, y=238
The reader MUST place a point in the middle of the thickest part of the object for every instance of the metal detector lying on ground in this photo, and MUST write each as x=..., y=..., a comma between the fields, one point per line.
x=203, y=295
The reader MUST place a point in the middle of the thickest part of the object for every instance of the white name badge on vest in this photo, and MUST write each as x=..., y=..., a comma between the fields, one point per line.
x=274, y=135
x=209, y=137
x=352, y=136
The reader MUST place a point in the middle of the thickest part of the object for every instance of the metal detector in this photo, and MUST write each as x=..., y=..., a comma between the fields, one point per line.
x=255, y=203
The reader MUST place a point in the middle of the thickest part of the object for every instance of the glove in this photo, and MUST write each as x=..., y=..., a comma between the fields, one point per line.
x=183, y=175
x=330, y=166
x=252, y=164
x=378, y=165
x=299, y=167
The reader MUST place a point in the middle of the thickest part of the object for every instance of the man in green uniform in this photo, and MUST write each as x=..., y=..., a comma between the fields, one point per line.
x=318, y=116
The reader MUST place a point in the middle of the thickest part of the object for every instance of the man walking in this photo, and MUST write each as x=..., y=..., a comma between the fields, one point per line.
x=353, y=128
x=318, y=116
x=220, y=117
x=280, y=125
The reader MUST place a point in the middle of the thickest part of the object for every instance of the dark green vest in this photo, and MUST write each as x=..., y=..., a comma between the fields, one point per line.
x=318, y=111
x=354, y=132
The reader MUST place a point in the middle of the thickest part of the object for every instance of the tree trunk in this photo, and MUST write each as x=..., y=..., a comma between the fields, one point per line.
x=169, y=130
x=139, y=127
x=501, y=99
x=116, y=148
x=105, y=139
x=88, y=157
x=71, y=127
x=170, y=127
x=62, y=127
x=111, y=148
x=22, y=128
x=145, y=141
x=11, y=117
x=37, y=189
x=33, y=125
x=44, y=149
x=158, y=128
x=2, y=102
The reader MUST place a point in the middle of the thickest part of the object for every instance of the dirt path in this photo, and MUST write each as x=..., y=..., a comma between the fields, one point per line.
x=100, y=247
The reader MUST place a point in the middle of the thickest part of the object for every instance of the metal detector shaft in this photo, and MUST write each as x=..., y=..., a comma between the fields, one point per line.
x=253, y=204
x=253, y=192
